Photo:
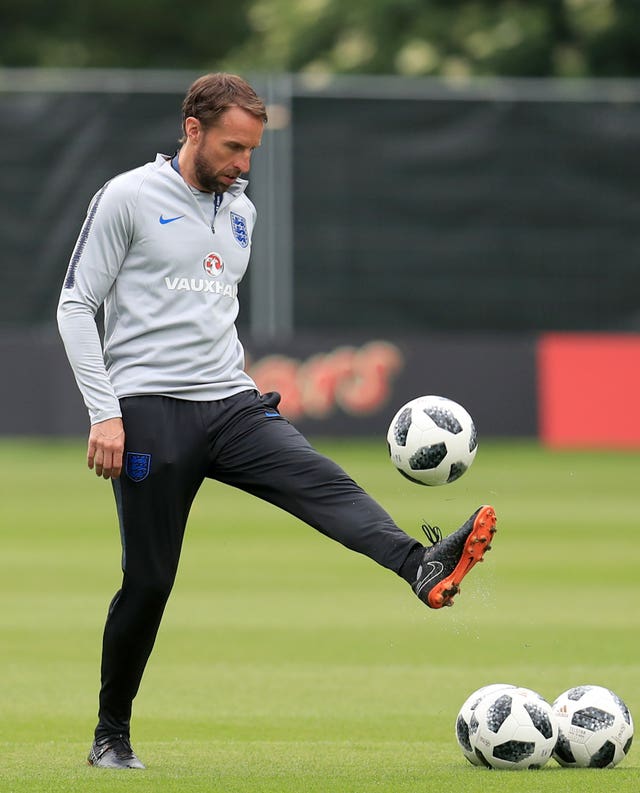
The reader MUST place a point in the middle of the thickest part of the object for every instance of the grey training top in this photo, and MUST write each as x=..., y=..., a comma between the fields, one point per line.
x=168, y=273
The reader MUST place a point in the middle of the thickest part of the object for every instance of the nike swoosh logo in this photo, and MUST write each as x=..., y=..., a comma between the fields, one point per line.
x=165, y=220
x=434, y=572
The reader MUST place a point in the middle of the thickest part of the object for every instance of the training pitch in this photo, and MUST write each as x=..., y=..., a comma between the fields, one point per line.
x=288, y=664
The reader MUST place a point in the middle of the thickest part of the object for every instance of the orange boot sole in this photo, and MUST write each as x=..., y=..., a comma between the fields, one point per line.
x=477, y=544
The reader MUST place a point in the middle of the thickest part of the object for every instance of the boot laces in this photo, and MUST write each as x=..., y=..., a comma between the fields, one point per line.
x=120, y=745
x=432, y=533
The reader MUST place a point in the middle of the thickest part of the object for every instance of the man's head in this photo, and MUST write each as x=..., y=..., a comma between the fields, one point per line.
x=222, y=120
x=212, y=94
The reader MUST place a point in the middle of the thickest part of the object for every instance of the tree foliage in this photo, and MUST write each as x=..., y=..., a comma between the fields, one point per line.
x=441, y=37
x=531, y=38
x=120, y=33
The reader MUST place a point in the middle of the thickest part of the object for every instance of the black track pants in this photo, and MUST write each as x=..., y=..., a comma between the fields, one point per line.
x=171, y=446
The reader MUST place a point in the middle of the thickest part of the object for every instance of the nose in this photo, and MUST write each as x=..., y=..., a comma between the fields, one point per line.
x=243, y=163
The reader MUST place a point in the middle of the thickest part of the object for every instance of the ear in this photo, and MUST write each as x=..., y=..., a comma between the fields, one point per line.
x=192, y=128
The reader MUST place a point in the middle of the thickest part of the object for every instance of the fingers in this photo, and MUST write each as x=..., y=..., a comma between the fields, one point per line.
x=107, y=463
x=105, y=448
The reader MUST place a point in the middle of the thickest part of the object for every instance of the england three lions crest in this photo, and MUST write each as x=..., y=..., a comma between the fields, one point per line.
x=137, y=466
x=239, y=228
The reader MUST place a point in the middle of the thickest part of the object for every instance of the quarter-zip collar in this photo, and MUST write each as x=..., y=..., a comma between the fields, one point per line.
x=234, y=191
x=218, y=201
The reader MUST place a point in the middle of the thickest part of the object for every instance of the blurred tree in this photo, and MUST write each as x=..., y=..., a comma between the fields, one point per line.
x=532, y=38
x=120, y=33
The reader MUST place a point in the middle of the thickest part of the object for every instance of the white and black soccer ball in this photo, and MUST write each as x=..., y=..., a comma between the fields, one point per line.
x=432, y=440
x=596, y=728
x=464, y=717
x=513, y=729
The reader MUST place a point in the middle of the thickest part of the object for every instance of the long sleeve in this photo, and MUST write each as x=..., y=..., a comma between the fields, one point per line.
x=97, y=257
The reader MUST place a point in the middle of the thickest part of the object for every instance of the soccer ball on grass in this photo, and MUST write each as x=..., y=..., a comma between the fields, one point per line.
x=513, y=729
x=464, y=718
x=432, y=440
x=596, y=728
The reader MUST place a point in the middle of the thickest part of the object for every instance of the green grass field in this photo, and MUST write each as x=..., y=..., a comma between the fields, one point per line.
x=286, y=663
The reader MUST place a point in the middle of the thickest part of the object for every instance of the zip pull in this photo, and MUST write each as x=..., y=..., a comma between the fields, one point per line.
x=217, y=201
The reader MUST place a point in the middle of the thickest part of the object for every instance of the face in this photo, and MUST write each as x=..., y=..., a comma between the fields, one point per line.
x=221, y=153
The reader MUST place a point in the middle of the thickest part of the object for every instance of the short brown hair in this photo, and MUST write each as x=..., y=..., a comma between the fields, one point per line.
x=210, y=95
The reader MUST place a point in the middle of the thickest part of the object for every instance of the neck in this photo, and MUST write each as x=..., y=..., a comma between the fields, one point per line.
x=186, y=170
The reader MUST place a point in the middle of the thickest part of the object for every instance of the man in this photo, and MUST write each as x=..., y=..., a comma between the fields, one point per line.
x=164, y=248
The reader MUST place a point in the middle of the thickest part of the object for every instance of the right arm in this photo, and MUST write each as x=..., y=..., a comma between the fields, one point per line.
x=96, y=260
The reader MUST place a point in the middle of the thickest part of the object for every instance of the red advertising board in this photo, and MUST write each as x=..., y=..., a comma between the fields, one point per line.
x=589, y=390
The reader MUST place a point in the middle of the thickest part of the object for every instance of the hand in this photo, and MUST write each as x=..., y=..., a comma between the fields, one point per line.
x=106, y=445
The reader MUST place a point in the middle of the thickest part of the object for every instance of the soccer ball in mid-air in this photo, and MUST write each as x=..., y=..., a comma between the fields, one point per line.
x=596, y=728
x=464, y=717
x=513, y=728
x=432, y=440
